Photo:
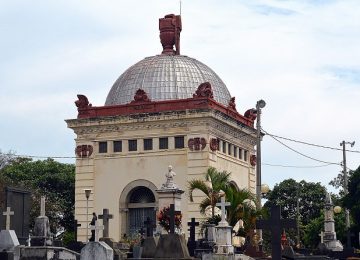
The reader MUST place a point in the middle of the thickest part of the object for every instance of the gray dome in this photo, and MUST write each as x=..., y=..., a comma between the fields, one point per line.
x=166, y=77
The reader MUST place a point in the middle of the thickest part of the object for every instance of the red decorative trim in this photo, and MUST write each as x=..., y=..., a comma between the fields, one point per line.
x=163, y=106
x=140, y=97
x=232, y=104
x=197, y=144
x=251, y=114
x=214, y=144
x=253, y=159
x=84, y=150
x=204, y=90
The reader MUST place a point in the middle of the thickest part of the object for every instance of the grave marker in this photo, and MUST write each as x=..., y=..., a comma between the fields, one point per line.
x=76, y=225
x=223, y=205
x=191, y=242
x=275, y=224
x=42, y=206
x=106, y=217
x=8, y=213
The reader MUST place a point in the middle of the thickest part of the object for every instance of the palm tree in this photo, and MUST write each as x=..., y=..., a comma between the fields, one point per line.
x=215, y=181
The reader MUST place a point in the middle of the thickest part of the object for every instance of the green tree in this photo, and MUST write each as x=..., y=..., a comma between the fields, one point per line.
x=211, y=186
x=352, y=201
x=311, y=199
x=48, y=178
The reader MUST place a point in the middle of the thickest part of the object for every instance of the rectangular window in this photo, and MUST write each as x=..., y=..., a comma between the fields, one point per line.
x=148, y=144
x=235, y=151
x=223, y=146
x=245, y=155
x=163, y=143
x=102, y=147
x=229, y=149
x=240, y=153
x=179, y=142
x=132, y=145
x=117, y=146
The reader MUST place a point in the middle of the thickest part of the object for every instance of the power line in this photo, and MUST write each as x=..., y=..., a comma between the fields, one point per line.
x=296, y=166
x=304, y=155
x=311, y=144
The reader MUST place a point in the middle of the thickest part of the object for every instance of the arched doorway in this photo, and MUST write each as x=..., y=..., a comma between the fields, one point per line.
x=141, y=205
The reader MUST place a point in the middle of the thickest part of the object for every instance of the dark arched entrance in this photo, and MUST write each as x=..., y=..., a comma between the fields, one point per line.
x=141, y=206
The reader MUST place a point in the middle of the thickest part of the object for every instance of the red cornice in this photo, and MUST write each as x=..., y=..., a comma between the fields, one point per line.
x=140, y=107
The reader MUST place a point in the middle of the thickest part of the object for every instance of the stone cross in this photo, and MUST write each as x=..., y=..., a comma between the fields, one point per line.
x=42, y=206
x=223, y=205
x=275, y=224
x=149, y=227
x=172, y=213
x=97, y=228
x=8, y=213
x=321, y=235
x=106, y=217
x=76, y=225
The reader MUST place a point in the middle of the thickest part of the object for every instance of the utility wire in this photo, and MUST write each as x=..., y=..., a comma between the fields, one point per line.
x=311, y=144
x=296, y=166
x=304, y=155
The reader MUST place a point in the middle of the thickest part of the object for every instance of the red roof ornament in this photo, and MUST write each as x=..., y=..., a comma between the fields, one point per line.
x=251, y=114
x=232, y=104
x=204, y=90
x=170, y=28
x=140, y=96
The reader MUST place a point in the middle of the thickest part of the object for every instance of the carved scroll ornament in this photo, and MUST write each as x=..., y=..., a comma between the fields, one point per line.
x=204, y=90
x=197, y=144
x=84, y=150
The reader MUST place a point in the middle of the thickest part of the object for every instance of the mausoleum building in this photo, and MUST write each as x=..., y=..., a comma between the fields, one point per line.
x=167, y=109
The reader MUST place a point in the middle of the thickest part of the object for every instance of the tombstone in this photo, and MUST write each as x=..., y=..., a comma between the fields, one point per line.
x=96, y=251
x=8, y=238
x=19, y=202
x=329, y=226
x=224, y=231
x=42, y=235
x=76, y=225
x=191, y=244
x=150, y=242
x=106, y=217
x=172, y=246
x=172, y=214
x=275, y=224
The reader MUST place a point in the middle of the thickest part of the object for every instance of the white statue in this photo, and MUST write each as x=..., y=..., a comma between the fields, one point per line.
x=169, y=184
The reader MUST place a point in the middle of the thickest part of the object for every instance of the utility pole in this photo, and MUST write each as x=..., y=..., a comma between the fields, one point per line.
x=259, y=105
x=343, y=144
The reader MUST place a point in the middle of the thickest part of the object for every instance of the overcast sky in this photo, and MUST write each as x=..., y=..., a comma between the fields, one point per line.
x=301, y=57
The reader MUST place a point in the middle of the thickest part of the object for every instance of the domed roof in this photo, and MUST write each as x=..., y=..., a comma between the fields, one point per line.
x=166, y=77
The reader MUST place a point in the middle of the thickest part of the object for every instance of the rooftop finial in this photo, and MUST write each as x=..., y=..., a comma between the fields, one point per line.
x=170, y=28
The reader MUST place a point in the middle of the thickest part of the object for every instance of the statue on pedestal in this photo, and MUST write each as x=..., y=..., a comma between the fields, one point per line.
x=169, y=184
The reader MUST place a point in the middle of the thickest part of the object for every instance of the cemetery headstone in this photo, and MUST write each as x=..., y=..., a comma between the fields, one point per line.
x=76, y=225
x=19, y=202
x=150, y=242
x=8, y=238
x=42, y=235
x=106, y=217
x=275, y=224
x=329, y=226
x=96, y=251
x=191, y=241
x=224, y=231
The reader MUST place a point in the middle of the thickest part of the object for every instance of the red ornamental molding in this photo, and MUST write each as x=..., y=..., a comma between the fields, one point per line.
x=140, y=97
x=204, y=90
x=232, y=104
x=170, y=28
x=84, y=150
x=251, y=114
x=197, y=144
x=82, y=102
x=214, y=144
x=253, y=159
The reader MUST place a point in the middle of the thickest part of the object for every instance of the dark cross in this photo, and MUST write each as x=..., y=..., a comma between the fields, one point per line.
x=105, y=217
x=172, y=213
x=192, y=226
x=275, y=224
x=76, y=225
x=149, y=227
x=191, y=241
